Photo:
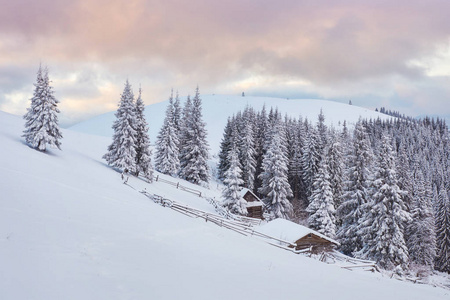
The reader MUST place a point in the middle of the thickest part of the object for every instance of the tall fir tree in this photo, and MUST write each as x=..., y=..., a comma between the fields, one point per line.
x=233, y=182
x=143, y=152
x=275, y=186
x=356, y=191
x=194, y=161
x=167, y=144
x=322, y=131
x=247, y=150
x=41, y=119
x=260, y=150
x=421, y=238
x=225, y=148
x=321, y=207
x=382, y=226
x=185, y=134
x=310, y=159
x=443, y=231
x=122, y=151
x=334, y=158
x=177, y=115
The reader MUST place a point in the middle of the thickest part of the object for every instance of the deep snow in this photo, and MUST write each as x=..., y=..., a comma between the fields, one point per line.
x=69, y=229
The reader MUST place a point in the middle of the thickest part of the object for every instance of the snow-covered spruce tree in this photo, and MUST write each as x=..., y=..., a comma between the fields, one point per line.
x=421, y=238
x=122, y=151
x=443, y=232
x=260, y=134
x=247, y=150
x=296, y=134
x=143, y=153
x=382, y=226
x=233, y=182
x=356, y=191
x=321, y=207
x=194, y=162
x=177, y=115
x=311, y=158
x=225, y=148
x=275, y=186
x=167, y=151
x=322, y=131
x=405, y=181
x=185, y=134
x=41, y=120
x=335, y=164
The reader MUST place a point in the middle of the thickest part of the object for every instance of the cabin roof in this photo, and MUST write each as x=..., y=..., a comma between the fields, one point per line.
x=257, y=202
x=254, y=203
x=289, y=231
x=245, y=191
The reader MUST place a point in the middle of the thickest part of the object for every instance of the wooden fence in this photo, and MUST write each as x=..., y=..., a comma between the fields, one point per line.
x=179, y=186
x=245, y=226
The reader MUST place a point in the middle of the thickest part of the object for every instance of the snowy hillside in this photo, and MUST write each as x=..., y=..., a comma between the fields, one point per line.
x=69, y=229
x=217, y=108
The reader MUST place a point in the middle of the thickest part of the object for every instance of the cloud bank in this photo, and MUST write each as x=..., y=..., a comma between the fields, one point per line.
x=390, y=53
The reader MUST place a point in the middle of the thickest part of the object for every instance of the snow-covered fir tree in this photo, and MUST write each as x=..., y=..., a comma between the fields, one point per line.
x=194, y=153
x=334, y=158
x=356, y=191
x=382, y=226
x=311, y=158
x=296, y=134
x=443, y=231
x=143, y=157
x=225, y=148
x=421, y=238
x=260, y=134
x=41, y=119
x=177, y=115
x=247, y=149
x=167, y=144
x=322, y=130
x=233, y=182
x=275, y=186
x=122, y=151
x=405, y=180
x=321, y=207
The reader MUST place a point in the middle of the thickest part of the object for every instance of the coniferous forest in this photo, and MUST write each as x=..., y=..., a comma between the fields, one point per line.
x=381, y=188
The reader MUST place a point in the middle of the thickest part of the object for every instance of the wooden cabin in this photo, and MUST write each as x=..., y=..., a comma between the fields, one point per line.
x=301, y=236
x=254, y=204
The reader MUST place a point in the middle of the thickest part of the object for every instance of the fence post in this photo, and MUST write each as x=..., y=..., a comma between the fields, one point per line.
x=178, y=184
x=157, y=176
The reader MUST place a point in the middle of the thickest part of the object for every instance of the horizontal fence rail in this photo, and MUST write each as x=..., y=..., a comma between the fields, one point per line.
x=245, y=226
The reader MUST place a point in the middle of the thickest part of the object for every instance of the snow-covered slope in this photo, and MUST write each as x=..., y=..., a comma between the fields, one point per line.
x=217, y=108
x=69, y=229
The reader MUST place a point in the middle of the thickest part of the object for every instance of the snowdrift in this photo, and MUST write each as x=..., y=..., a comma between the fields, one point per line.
x=70, y=229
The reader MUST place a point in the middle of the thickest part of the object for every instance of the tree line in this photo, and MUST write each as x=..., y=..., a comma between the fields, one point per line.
x=381, y=189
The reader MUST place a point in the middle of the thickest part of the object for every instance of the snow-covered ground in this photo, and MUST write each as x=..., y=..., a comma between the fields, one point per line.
x=69, y=229
x=217, y=108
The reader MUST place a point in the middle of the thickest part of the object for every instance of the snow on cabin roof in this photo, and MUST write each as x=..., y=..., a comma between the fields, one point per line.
x=289, y=231
x=252, y=203
x=245, y=190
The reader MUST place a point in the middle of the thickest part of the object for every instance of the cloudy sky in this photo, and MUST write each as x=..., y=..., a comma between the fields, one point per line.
x=377, y=53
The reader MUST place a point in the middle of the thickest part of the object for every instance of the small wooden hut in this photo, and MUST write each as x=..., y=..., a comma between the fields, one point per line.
x=301, y=236
x=254, y=204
